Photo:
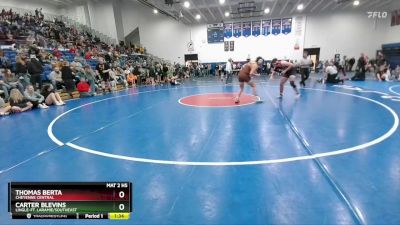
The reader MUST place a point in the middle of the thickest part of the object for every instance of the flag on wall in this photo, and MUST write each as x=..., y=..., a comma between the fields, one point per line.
x=246, y=29
x=256, y=28
x=286, y=25
x=228, y=30
x=237, y=29
x=276, y=26
x=266, y=27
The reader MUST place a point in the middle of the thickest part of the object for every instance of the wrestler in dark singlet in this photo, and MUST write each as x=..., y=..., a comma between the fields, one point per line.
x=245, y=74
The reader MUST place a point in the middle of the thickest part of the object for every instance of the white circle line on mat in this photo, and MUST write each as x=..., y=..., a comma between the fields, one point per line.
x=236, y=163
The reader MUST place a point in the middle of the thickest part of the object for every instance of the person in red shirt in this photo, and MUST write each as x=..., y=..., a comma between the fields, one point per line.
x=84, y=88
x=57, y=53
x=88, y=55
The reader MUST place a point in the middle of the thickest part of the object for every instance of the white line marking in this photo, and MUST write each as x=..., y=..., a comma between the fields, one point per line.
x=394, y=92
x=238, y=163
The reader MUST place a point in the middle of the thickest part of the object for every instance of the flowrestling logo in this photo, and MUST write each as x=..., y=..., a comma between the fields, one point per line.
x=377, y=15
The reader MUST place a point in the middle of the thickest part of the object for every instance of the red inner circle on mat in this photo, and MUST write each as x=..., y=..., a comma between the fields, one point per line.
x=217, y=100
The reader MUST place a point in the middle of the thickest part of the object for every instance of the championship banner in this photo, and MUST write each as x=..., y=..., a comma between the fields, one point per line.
x=232, y=46
x=256, y=28
x=237, y=29
x=286, y=25
x=276, y=26
x=266, y=27
x=226, y=46
x=228, y=30
x=246, y=29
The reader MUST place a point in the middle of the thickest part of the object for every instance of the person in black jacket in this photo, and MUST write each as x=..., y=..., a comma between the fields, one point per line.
x=361, y=68
x=21, y=70
x=35, y=69
x=68, y=78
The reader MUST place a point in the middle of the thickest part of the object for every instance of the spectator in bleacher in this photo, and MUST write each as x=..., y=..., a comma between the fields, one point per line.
x=4, y=61
x=4, y=87
x=68, y=78
x=34, y=97
x=84, y=88
x=50, y=96
x=102, y=70
x=13, y=81
x=56, y=78
x=396, y=73
x=4, y=110
x=18, y=102
x=21, y=69
x=35, y=69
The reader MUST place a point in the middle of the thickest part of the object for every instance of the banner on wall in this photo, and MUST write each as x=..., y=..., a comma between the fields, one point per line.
x=256, y=28
x=237, y=29
x=395, y=21
x=286, y=25
x=266, y=27
x=226, y=46
x=246, y=29
x=231, y=46
x=276, y=26
x=228, y=30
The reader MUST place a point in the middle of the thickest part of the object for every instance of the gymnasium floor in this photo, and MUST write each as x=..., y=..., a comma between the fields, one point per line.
x=329, y=157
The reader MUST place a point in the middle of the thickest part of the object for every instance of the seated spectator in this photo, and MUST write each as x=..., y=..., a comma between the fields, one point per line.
x=4, y=87
x=56, y=78
x=13, y=81
x=50, y=96
x=396, y=73
x=131, y=78
x=4, y=110
x=331, y=76
x=34, y=97
x=174, y=80
x=18, y=102
x=84, y=88
x=384, y=75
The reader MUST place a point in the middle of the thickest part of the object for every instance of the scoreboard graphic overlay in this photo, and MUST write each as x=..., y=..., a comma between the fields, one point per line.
x=70, y=200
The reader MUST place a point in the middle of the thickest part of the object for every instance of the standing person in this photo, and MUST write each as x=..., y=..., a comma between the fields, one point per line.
x=21, y=70
x=228, y=71
x=68, y=78
x=35, y=69
x=103, y=70
x=381, y=66
x=288, y=73
x=305, y=64
x=248, y=70
x=361, y=68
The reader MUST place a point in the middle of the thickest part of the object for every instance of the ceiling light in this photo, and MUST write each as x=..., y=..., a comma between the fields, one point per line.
x=227, y=14
x=155, y=11
x=221, y=2
x=300, y=7
x=356, y=3
x=266, y=11
x=198, y=16
x=186, y=4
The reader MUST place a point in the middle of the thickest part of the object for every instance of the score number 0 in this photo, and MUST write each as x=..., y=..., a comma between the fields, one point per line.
x=121, y=206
